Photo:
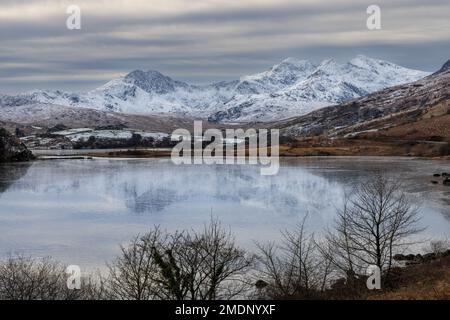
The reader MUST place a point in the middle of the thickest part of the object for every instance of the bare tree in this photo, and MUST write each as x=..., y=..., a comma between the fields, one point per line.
x=375, y=223
x=25, y=278
x=296, y=268
x=186, y=265
x=438, y=246
x=204, y=265
x=132, y=275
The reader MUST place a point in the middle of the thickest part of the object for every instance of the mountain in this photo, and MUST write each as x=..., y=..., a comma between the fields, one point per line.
x=292, y=87
x=328, y=83
x=416, y=111
x=444, y=68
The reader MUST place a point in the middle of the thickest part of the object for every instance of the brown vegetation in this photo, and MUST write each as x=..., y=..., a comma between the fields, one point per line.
x=428, y=281
x=364, y=147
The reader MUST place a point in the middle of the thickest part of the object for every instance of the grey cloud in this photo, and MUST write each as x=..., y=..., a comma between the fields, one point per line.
x=214, y=45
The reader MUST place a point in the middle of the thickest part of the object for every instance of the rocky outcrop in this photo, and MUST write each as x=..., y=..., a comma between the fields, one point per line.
x=11, y=149
x=419, y=258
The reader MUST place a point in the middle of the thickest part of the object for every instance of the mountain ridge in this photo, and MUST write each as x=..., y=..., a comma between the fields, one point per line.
x=377, y=112
x=292, y=87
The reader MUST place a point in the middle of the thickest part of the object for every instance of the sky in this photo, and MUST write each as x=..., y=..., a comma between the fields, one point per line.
x=203, y=41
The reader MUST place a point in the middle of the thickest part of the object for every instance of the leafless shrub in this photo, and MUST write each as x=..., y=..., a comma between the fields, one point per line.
x=132, y=274
x=204, y=265
x=24, y=278
x=185, y=265
x=438, y=246
x=294, y=269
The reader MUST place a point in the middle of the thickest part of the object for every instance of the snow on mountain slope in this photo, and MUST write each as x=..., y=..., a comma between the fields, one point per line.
x=50, y=115
x=291, y=88
x=278, y=77
x=329, y=83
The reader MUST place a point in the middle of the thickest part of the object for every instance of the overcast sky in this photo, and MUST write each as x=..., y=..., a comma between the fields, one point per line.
x=201, y=41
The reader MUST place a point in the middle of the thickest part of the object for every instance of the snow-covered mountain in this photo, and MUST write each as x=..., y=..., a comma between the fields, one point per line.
x=316, y=86
x=291, y=88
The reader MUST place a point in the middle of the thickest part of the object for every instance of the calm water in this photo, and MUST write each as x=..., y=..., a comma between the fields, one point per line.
x=79, y=211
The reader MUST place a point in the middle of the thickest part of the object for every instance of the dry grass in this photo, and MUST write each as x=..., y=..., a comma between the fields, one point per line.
x=363, y=147
x=423, y=129
x=439, y=291
x=429, y=281
x=341, y=147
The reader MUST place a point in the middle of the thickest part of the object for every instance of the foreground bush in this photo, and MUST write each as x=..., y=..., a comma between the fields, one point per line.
x=294, y=269
x=205, y=265
x=24, y=278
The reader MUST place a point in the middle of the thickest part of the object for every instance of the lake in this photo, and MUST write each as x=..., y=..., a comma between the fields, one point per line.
x=79, y=211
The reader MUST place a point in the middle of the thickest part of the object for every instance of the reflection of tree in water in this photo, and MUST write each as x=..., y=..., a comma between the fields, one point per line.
x=10, y=173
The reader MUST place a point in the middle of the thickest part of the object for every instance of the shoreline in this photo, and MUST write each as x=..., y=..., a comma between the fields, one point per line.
x=166, y=153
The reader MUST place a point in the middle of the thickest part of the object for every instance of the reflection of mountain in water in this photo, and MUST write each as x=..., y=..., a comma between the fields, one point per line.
x=286, y=194
x=10, y=173
x=152, y=200
x=145, y=187
x=160, y=191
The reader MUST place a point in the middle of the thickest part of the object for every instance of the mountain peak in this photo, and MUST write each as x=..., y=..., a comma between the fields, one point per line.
x=290, y=60
x=370, y=63
x=445, y=68
x=152, y=81
x=287, y=72
x=293, y=65
x=141, y=74
x=328, y=62
x=295, y=61
x=364, y=58
x=328, y=66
